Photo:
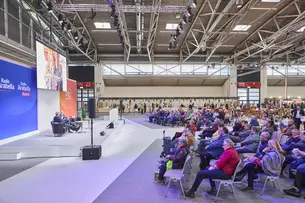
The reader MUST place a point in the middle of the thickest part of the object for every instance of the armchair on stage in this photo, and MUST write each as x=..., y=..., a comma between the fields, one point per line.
x=58, y=129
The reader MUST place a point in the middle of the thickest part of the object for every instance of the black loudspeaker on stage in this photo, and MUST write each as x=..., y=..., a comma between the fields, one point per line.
x=91, y=152
x=91, y=108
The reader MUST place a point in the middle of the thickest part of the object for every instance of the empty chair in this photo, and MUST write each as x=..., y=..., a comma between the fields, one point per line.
x=177, y=175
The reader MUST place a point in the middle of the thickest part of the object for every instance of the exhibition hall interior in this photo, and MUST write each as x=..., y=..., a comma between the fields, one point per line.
x=159, y=101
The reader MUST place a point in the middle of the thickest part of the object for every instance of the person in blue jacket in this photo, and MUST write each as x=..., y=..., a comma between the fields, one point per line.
x=213, y=150
x=289, y=145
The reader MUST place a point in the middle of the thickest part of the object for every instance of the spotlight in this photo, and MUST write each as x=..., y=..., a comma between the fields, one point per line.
x=60, y=19
x=178, y=15
x=170, y=45
x=180, y=27
x=189, y=11
x=69, y=28
x=63, y=25
x=112, y=11
x=174, y=37
x=193, y=3
x=190, y=18
x=177, y=32
x=75, y=35
x=239, y=3
x=184, y=19
x=116, y=20
x=50, y=7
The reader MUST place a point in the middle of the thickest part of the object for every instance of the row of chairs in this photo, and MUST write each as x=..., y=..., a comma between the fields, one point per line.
x=181, y=175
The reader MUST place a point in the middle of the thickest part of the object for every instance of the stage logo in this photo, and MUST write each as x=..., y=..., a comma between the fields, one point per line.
x=26, y=90
x=6, y=85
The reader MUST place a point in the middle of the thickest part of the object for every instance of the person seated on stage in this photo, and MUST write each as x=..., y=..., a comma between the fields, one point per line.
x=57, y=118
x=299, y=179
x=208, y=132
x=250, y=144
x=68, y=124
x=213, y=150
x=268, y=163
x=238, y=137
x=290, y=127
x=223, y=169
x=178, y=158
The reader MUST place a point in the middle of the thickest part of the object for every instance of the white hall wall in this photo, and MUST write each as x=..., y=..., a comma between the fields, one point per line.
x=48, y=105
x=164, y=91
x=279, y=91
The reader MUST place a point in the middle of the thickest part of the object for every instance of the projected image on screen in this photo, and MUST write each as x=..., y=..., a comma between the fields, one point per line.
x=51, y=69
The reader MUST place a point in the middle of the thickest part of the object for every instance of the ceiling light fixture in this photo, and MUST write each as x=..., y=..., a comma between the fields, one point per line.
x=241, y=27
x=112, y=14
x=69, y=29
x=171, y=26
x=60, y=19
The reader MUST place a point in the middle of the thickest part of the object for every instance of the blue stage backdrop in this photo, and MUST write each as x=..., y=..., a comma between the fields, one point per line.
x=18, y=100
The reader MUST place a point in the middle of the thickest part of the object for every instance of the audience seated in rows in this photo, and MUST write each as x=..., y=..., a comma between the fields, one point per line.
x=249, y=138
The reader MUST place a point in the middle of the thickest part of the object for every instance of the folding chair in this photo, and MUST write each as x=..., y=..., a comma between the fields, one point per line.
x=177, y=175
x=229, y=182
x=273, y=179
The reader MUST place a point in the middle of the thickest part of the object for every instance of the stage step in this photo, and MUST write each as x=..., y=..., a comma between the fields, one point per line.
x=10, y=156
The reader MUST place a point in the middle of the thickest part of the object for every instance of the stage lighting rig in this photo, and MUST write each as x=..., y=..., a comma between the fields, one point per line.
x=112, y=14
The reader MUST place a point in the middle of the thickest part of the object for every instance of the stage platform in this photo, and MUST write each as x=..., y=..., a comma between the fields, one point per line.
x=45, y=145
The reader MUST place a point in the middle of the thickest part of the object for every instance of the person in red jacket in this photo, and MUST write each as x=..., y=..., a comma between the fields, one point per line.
x=223, y=169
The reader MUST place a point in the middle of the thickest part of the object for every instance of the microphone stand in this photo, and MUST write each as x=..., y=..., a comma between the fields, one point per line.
x=91, y=132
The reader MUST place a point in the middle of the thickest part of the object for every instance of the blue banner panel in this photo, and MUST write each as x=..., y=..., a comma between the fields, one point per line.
x=18, y=100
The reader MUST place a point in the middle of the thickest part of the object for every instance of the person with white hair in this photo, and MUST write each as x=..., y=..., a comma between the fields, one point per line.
x=178, y=158
x=223, y=169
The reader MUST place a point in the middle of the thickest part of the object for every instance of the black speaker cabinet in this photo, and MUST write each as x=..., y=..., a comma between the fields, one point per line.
x=92, y=152
x=111, y=125
x=91, y=108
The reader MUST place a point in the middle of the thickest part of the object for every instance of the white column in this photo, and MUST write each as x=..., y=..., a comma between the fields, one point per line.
x=98, y=81
x=264, y=84
x=230, y=86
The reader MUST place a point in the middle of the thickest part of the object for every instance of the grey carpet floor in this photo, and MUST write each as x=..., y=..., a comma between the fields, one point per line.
x=135, y=185
x=11, y=168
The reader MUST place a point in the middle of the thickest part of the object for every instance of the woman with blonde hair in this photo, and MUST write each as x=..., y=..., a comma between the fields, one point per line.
x=269, y=162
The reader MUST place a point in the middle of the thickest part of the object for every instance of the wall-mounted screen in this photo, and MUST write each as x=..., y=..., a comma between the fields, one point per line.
x=51, y=69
